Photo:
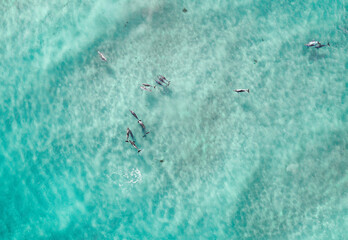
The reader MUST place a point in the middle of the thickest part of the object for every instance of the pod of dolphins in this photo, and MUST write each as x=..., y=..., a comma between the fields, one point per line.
x=129, y=132
x=162, y=81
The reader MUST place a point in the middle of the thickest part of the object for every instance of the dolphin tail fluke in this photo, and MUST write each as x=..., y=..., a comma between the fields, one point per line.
x=126, y=140
x=248, y=90
x=328, y=44
x=139, y=150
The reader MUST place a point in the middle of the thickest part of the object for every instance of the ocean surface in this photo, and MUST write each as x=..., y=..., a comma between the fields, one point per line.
x=271, y=164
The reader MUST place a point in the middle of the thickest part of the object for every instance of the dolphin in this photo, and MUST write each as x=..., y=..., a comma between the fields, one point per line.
x=312, y=43
x=131, y=142
x=147, y=85
x=129, y=132
x=102, y=56
x=158, y=82
x=163, y=79
x=321, y=45
x=146, y=89
x=146, y=134
x=241, y=90
x=141, y=123
x=133, y=113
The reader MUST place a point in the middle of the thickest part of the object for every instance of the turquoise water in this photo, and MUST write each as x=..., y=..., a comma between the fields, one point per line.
x=271, y=164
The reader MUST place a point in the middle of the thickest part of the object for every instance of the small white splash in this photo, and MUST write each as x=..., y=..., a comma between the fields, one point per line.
x=125, y=176
x=292, y=168
x=135, y=176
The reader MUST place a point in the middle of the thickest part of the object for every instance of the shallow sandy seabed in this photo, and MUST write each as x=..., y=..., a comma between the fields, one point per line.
x=271, y=164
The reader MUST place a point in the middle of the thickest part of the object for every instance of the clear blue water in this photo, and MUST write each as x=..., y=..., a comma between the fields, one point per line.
x=271, y=164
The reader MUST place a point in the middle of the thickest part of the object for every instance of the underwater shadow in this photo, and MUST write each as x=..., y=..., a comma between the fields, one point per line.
x=315, y=55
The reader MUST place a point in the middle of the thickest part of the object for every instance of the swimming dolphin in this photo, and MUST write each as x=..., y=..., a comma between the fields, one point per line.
x=131, y=142
x=141, y=123
x=146, y=89
x=321, y=45
x=129, y=132
x=147, y=85
x=102, y=56
x=163, y=79
x=158, y=82
x=133, y=113
x=146, y=134
x=241, y=90
x=312, y=43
